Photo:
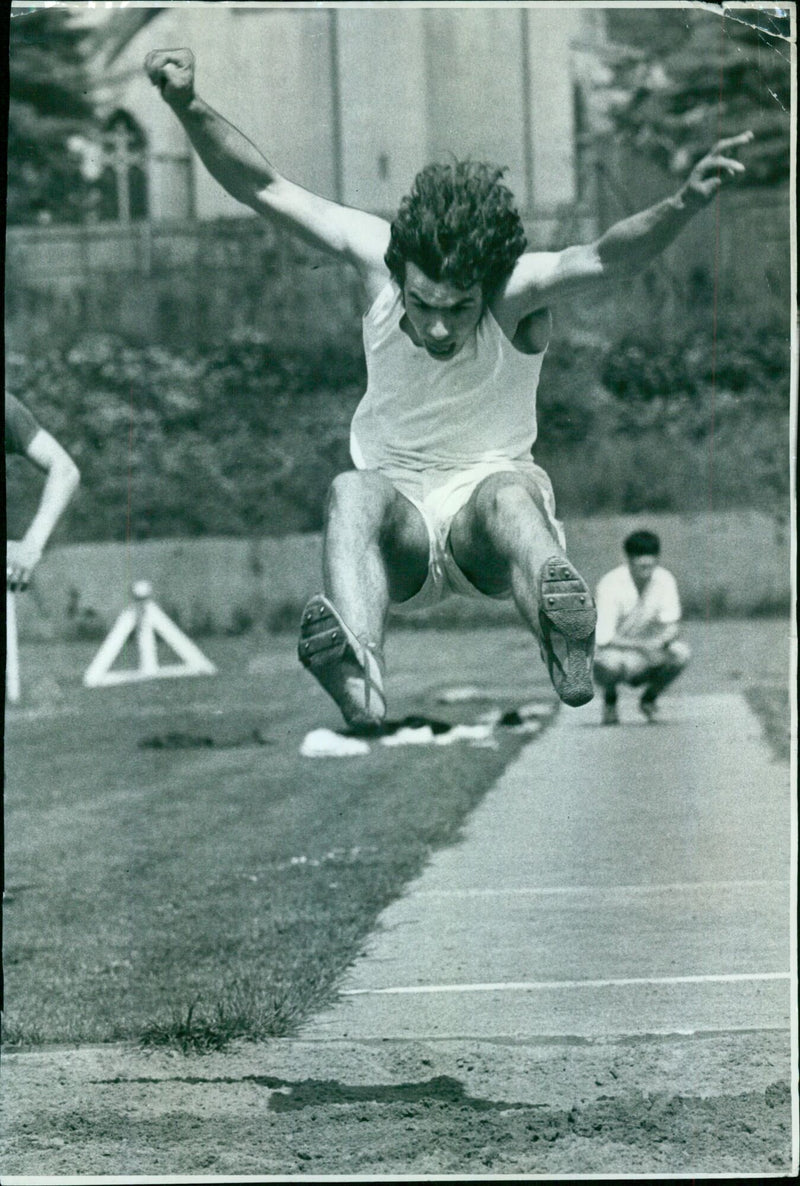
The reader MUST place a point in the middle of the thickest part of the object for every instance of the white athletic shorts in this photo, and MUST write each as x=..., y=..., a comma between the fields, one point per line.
x=439, y=497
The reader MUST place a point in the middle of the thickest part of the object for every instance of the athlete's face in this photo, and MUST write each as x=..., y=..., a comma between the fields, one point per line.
x=442, y=317
x=641, y=569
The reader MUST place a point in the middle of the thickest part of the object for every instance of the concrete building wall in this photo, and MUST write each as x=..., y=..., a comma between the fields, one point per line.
x=549, y=37
x=384, y=125
x=475, y=83
x=351, y=102
x=219, y=585
x=265, y=70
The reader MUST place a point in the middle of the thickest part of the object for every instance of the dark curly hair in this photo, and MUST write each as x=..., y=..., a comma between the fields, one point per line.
x=459, y=224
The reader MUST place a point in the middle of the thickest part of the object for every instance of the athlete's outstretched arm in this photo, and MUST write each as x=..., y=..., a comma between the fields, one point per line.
x=63, y=478
x=630, y=245
x=241, y=169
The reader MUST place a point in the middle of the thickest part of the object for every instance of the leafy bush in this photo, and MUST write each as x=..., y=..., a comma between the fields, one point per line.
x=699, y=74
x=570, y=397
x=733, y=361
x=693, y=424
x=244, y=439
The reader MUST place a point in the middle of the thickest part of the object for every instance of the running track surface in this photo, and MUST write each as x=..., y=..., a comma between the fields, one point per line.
x=616, y=881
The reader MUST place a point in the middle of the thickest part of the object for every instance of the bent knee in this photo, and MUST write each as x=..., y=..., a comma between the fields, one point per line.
x=363, y=504
x=678, y=654
x=507, y=496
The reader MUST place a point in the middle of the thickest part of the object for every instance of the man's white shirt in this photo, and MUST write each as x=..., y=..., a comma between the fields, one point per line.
x=623, y=611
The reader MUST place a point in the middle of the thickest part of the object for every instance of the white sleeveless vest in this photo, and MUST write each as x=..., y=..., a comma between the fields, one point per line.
x=422, y=414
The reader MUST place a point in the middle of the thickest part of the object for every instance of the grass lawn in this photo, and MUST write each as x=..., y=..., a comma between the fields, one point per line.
x=176, y=872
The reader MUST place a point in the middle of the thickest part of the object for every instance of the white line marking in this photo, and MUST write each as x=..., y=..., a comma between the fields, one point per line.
x=555, y=890
x=539, y=985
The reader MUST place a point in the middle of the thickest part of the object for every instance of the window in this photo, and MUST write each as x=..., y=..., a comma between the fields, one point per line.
x=122, y=185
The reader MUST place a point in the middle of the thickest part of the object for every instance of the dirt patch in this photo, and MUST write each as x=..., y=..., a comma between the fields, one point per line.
x=716, y=1104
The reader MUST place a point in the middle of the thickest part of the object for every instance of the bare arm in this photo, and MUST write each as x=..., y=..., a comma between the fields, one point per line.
x=627, y=247
x=62, y=481
x=240, y=168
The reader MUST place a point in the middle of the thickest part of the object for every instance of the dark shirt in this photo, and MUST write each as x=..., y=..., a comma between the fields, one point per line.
x=21, y=426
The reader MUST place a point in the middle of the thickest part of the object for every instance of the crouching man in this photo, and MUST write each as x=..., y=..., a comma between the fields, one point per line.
x=638, y=621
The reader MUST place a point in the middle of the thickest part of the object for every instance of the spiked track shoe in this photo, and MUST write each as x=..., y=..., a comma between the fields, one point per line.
x=343, y=665
x=567, y=619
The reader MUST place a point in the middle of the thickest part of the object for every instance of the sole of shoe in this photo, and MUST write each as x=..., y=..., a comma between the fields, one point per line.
x=567, y=619
x=345, y=668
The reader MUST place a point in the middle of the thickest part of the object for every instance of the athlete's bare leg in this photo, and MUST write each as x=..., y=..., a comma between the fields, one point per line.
x=375, y=551
x=501, y=540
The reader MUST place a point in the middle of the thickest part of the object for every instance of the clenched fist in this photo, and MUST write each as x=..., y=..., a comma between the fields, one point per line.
x=172, y=71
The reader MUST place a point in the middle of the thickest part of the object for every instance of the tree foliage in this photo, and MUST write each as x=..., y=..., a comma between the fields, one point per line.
x=243, y=439
x=682, y=79
x=48, y=105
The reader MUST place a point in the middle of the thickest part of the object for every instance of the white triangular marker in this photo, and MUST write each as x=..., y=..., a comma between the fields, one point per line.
x=146, y=620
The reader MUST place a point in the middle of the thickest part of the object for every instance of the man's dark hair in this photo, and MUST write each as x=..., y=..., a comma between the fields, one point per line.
x=642, y=543
x=458, y=224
